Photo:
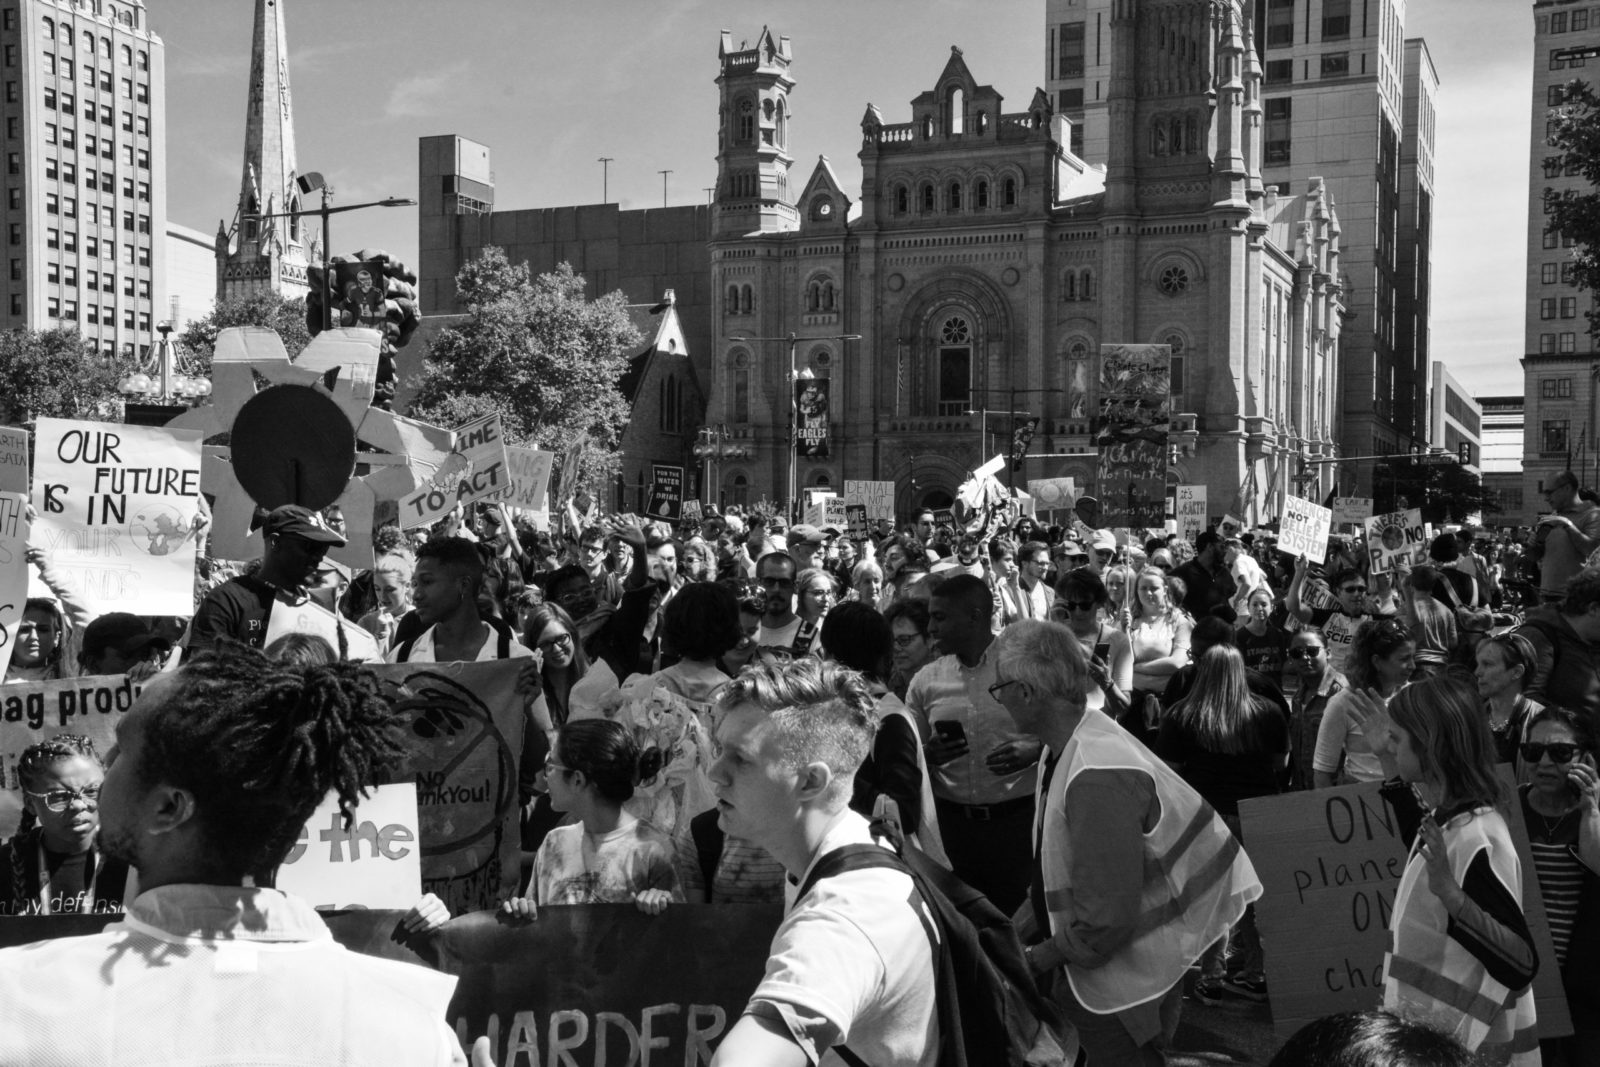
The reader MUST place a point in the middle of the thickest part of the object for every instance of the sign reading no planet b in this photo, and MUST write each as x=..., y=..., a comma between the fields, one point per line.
x=116, y=507
x=1396, y=540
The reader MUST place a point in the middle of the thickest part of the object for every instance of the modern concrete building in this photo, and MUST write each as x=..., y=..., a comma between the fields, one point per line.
x=269, y=255
x=1455, y=420
x=84, y=109
x=191, y=275
x=1559, y=371
x=1502, y=460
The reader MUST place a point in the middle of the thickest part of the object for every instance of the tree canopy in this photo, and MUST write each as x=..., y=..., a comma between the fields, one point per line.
x=272, y=310
x=56, y=374
x=1575, y=213
x=539, y=352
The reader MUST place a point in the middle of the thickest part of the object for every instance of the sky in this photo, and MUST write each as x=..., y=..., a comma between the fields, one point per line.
x=553, y=85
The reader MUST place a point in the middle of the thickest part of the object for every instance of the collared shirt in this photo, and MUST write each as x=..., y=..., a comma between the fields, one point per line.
x=422, y=649
x=259, y=967
x=945, y=690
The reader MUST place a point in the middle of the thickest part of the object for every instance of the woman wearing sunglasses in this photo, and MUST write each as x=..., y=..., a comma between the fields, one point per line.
x=1081, y=604
x=52, y=866
x=1561, y=806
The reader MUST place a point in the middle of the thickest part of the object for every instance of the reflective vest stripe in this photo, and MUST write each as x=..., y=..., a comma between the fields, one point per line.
x=1468, y=1001
x=1201, y=883
x=1158, y=867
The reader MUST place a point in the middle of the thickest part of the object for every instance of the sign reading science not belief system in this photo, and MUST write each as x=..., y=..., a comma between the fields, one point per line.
x=115, y=508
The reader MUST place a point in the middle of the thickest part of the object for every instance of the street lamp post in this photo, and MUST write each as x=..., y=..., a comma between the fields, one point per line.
x=313, y=182
x=170, y=383
x=794, y=414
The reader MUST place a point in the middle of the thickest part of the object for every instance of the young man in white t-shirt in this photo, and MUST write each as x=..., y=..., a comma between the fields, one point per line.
x=444, y=592
x=852, y=963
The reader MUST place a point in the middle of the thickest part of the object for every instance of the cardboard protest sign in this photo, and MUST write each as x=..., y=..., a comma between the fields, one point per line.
x=855, y=521
x=666, y=492
x=1190, y=511
x=464, y=723
x=691, y=511
x=375, y=863
x=347, y=640
x=1352, y=509
x=833, y=513
x=1396, y=541
x=475, y=470
x=116, y=507
x=991, y=468
x=1330, y=861
x=13, y=570
x=816, y=512
x=1304, y=530
x=528, y=471
x=33, y=711
x=571, y=464
x=13, y=460
x=1052, y=493
x=576, y=986
x=876, y=496
x=1131, y=433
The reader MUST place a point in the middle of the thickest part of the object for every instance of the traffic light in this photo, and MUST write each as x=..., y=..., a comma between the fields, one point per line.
x=1464, y=453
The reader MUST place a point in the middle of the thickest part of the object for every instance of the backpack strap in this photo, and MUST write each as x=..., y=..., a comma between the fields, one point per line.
x=402, y=654
x=708, y=839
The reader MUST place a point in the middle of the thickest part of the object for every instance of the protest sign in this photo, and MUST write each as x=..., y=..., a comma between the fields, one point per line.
x=1396, y=541
x=374, y=863
x=1130, y=433
x=1052, y=493
x=1330, y=862
x=990, y=468
x=13, y=570
x=855, y=521
x=876, y=496
x=464, y=722
x=1190, y=511
x=833, y=513
x=115, y=509
x=528, y=477
x=13, y=460
x=816, y=511
x=691, y=511
x=347, y=640
x=666, y=492
x=33, y=711
x=585, y=983
x=1304, y=530
x=1352, y=509
x=476, y=469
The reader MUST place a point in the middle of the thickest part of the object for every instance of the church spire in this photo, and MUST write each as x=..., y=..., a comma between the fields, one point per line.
x=268, y=255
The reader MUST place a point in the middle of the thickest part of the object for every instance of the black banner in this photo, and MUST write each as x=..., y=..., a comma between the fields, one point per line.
x=811, y=417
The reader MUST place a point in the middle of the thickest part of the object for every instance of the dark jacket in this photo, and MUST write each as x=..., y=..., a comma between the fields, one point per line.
x=1203, y=589
x=1567, y=673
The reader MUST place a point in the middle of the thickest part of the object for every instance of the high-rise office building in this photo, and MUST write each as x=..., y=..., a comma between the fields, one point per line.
x=84, y=109
x=1559, y=427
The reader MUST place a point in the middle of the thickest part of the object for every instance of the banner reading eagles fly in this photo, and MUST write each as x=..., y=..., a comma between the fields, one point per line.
x=811, y=417
x=1131, y=434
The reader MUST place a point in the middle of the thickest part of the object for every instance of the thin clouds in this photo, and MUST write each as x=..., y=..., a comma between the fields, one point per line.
x=422, y=95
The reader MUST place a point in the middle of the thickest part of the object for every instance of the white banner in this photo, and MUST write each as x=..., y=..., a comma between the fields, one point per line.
x=876, y=496
x=376, y=863
x=1051, y=493
x=1352, y=509
x=474, y=470
x=1190, y=511
x=1304, y=530
x=115, y=508
x=13, y=570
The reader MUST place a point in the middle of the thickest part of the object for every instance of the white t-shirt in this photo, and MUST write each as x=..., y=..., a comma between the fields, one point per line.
x=781, y=637
x=422, y=649
x=852, y=965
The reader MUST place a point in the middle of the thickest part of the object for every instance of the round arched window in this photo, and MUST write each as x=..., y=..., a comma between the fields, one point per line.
x=1174, y=280
x=955, y=331
x=1175, y=342
x=1079, y=350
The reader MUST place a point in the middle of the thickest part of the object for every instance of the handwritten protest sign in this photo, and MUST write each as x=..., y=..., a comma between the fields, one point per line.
x=374, y=863
x=474, y=470
x=855, y=521
x=1330, y=861
x=464, y=724
x=1304, y=530
x=13, y=460
x=13, y=570
x=33, y=711
x=346, y=639
x=1352, y=509
x=529, y=477
x=1190, y=511
x=576, y=986
x=876, y=496
x=1131, y=433
x=817, y=509
x=1396, y=541
x=116, y=506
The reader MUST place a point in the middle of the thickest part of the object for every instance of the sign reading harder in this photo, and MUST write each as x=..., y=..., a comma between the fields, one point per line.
x=1304, y=530
x=474, y=470
x=115, y=508
x=1131, y=434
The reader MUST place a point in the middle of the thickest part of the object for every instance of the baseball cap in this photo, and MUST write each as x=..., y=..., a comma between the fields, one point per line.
x=292, y=520
x=1104, y=541
x=1070, y=548
x=806, y=534
x=120, y=631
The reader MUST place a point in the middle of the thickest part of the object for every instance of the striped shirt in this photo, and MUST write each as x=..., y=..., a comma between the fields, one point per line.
x=1553, y=843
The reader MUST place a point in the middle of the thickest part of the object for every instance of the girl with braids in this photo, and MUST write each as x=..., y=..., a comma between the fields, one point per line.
x=52, y=866
x=609, y=856
x=215, y=770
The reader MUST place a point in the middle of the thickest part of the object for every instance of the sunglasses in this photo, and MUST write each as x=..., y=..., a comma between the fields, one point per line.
x=1308, y=652
x=1560, y=751
x=61, y=799
x=1354, y=589
x=1078, y=605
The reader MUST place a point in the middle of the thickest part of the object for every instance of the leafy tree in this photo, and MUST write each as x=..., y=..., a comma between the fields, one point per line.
x=1446, y=492
x=272, y=310
x=538, y=352
x=1575, y=213
x=56, y=374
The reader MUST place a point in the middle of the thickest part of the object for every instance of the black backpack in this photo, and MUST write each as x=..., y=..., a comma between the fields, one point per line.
x=989, y=1006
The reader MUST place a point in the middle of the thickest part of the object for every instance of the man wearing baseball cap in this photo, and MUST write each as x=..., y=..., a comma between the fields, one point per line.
x=117, y=642
x=295, y=539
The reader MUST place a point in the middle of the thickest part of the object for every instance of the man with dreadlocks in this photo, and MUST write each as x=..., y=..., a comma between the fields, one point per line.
x=215, y=770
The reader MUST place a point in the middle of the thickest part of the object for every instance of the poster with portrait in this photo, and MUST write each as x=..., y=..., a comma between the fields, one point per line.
x=359, y=298
x=1130, y=434
x=811, y=396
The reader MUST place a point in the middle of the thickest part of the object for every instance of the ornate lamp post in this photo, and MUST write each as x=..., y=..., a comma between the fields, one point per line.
x=171, y=382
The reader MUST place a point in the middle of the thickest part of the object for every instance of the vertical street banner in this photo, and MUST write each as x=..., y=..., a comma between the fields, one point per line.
x=464, y=726
x=1131, y=434
x=666, y=492
x=1304, y=530
x=877, y=497
x=474, y=470
x=1190, y=511
x=1396, y=541
x=13, y=571
x=13, y=460
x=811, y=402
x=375, y=862
x=528, y=479
x=116, y=507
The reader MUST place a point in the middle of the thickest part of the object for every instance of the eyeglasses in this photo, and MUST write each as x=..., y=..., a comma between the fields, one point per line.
x=1534, y=751
x=550, y=764
x=1306, y=652
x=558, y=641
x=594, y=548
x=994, y=690
x=1078, y=605
x=61, y=799
x=1354, y=589
x=777, y=583
x=904, y=640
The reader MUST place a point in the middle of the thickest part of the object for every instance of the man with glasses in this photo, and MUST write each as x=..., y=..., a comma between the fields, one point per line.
x=775, y=573
x=1033, y=564
x=612, y=634
x=592, y=558
x=1318, y=682
x=1563, y=539
x=1338, y=624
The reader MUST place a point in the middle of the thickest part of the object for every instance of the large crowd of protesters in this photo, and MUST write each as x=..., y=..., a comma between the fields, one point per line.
x=998, y=695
